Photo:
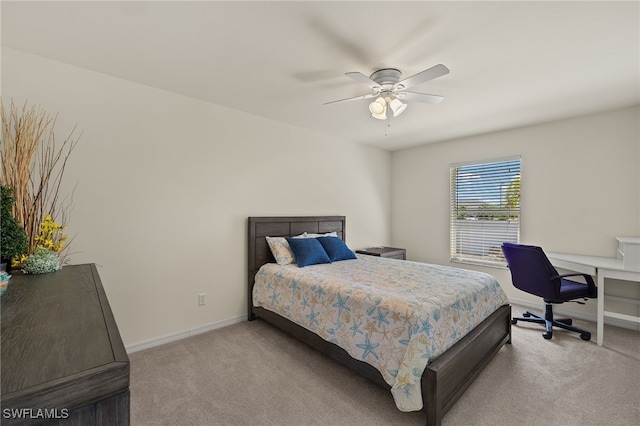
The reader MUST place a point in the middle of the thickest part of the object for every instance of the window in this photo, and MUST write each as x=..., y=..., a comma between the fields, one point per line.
x=485, y=210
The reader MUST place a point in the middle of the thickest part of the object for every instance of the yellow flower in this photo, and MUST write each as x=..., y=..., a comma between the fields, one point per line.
x=51, y=235
x=19, y=260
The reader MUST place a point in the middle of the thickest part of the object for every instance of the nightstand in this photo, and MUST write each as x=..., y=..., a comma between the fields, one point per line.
x=390, y=252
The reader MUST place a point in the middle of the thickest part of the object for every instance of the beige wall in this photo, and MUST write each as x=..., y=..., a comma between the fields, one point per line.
x=580, y=190
x=165, y=184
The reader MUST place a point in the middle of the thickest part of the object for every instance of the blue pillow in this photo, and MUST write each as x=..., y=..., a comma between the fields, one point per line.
x=308, y=251
x=336, y=248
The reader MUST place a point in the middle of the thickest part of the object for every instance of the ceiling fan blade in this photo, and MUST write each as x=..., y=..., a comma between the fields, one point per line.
x=426, y=75
x=420, y=97
x=361, y=78
x=356, y=98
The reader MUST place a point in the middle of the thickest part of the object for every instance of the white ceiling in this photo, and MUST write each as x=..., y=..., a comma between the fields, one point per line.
x=512, y=63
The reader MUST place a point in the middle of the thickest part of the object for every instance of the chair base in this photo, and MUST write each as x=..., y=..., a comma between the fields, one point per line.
x=550, y=322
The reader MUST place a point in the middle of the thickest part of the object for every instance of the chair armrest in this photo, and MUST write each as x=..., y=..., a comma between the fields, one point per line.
x=588, y=278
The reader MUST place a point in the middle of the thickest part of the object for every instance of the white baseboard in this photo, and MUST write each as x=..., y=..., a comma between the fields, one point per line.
x=147, y=344
x=587, y=317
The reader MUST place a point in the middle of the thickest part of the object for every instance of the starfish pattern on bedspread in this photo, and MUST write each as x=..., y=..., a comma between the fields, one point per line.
x=368, y=348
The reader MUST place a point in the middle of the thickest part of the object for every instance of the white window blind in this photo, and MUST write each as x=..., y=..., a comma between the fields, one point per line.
x=485, y=210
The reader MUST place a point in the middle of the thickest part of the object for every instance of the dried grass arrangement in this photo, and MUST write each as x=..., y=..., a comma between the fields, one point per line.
x=33, y=164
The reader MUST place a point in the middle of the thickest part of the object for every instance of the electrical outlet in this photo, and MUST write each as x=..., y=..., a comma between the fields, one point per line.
x=202, y=299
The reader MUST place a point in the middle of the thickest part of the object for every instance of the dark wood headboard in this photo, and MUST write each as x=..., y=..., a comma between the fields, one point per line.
x=282, y=226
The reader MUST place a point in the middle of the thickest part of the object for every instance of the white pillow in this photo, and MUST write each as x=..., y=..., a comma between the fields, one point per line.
x=281, y=250
x=328, y=234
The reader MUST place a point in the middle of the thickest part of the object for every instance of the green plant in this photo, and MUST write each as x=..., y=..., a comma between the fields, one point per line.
x=13, y=238
x=41, y=261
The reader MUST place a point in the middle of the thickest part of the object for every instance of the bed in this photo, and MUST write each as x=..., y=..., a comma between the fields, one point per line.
x=445, y=377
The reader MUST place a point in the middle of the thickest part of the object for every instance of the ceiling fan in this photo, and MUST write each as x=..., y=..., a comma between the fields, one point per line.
x=389, y=90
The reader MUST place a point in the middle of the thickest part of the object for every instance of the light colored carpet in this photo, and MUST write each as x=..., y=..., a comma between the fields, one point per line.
x=253, y=374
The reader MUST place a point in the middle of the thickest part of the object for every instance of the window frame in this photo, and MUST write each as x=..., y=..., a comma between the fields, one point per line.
x=493, y=256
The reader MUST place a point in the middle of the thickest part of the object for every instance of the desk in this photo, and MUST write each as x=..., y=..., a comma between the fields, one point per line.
x=601, y=268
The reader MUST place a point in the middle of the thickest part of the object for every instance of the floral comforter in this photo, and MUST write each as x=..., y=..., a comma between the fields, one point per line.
x=392, y=314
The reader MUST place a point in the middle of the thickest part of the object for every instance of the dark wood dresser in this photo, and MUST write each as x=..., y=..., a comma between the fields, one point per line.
x=63, y=361
x=390, y=252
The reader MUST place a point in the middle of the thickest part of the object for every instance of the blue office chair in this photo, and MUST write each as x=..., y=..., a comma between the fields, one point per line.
x=532, y=272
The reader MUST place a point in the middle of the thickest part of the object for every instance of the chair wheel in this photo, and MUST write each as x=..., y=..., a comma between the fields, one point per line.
x=585, y=336
x=547, y=335
x=514, y=321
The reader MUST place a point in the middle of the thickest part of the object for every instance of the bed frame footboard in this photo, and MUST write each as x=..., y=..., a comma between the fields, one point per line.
x=447, y=377
x=444, y=380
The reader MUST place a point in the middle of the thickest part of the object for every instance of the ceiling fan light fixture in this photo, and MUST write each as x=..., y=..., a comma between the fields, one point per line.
x=382, y=115
x=378, y=106
x=397, y=107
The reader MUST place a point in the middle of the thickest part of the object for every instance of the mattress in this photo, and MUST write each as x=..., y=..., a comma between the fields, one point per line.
x=394, y=315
